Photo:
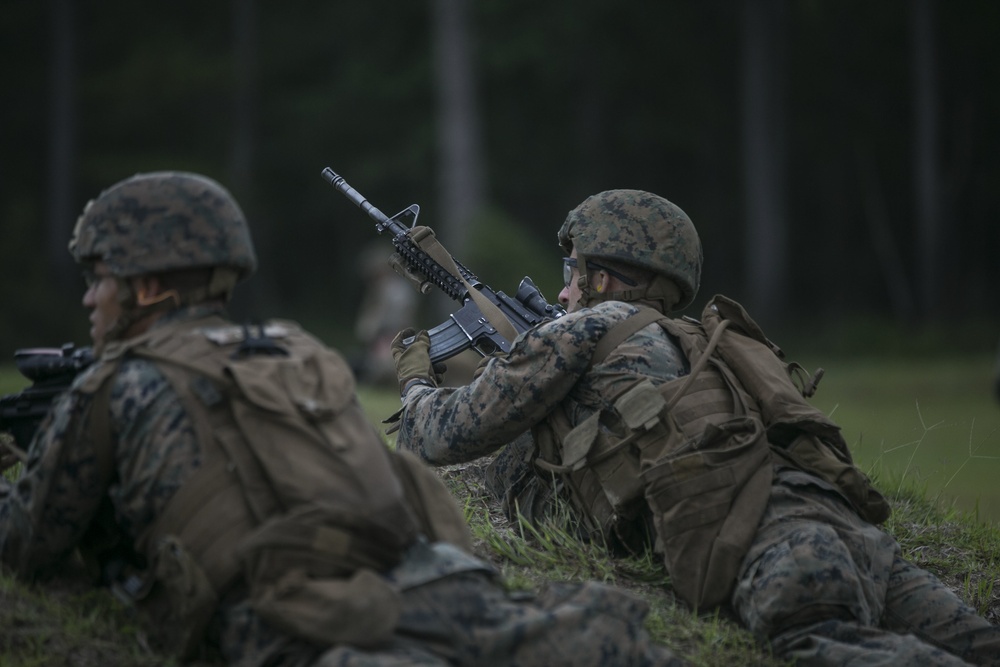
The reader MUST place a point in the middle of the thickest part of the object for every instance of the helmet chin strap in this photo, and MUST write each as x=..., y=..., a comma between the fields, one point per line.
x=143, y=300
x=662, y=293
x=589, y=296
x=136, y=305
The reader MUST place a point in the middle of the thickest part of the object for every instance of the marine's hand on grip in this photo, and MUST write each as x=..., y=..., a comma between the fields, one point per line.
x=413, y=360
x=488, y=320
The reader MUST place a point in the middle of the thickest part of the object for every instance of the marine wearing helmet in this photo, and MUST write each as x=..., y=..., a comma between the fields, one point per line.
x=184, y=228
x=644, y=237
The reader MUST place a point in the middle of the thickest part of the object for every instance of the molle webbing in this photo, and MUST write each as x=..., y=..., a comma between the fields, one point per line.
x=696, y=399
x=603, y=472
x=703, y=462
x=660, y=433
x=699, y=403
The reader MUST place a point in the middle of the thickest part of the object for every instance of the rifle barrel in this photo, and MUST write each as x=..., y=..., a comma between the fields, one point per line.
x=382, y=221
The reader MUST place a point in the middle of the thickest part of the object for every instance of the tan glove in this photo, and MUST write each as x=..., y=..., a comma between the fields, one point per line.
x=413, y=361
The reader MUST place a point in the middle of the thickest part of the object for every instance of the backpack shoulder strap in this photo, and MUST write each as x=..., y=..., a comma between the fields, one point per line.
x=620, y=332
x=100, y=431
x=98, y=385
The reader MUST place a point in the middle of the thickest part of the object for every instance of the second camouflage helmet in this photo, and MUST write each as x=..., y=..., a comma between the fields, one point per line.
x=641, y=229
x=164, y=221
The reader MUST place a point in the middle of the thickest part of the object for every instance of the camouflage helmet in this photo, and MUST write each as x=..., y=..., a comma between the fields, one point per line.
x=164, y=221
x=641, y=229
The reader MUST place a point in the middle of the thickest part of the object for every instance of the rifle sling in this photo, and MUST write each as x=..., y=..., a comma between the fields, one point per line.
x=426, y=241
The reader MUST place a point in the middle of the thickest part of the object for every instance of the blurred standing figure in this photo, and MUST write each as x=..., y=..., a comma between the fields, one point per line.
x=224, y=478
x=389, y=304
x=996, y=375
x=692, y=439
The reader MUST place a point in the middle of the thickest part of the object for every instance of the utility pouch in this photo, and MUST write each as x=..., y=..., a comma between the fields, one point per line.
x=797, y=431
x=809, y=452
x=361, y=610
x=707, y=500
x=603, y=469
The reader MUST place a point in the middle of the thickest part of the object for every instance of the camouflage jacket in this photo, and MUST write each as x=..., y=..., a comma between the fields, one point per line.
x=547, y=366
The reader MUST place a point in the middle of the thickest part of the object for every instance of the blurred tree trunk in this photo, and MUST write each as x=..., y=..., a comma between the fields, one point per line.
x=764, y=157
x=244, y=97
x=61, y=213
x=885, y=246
x=931, y=242
x=460, y=145
x=255, y=299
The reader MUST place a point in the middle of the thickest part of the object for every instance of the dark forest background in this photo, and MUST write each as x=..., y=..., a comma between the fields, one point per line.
x=840, y=158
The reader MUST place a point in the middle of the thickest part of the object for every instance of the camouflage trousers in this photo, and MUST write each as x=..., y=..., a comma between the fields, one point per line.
x=827, y=588
x=468, y=620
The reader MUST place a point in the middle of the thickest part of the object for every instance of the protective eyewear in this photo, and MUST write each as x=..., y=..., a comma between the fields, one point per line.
x=569, y=263
x=92, y=277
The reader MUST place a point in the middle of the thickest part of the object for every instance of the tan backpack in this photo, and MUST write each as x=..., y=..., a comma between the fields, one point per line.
x=297, y=494
x=699, y=451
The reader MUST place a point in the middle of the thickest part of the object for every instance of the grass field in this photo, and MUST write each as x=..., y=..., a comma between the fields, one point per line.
x=932, y=423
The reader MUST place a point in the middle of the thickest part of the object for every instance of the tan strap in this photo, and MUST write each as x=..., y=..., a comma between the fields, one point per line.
x=196, y=494
x=618, y=334
x=219, y=438
x=192, y=515
x=425, y=239
x=700, y=363
x=100, y=431
x=621, y=331
x=213, y=491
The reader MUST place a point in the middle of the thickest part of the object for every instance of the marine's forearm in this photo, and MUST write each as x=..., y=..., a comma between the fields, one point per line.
x=512, y=394
x=444, y=426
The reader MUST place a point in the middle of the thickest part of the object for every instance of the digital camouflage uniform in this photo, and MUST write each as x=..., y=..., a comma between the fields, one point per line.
x=818, y=582
x=452, y=609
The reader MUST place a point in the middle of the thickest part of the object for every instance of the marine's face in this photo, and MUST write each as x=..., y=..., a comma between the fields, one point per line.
x=102, y=299
x=570, y=295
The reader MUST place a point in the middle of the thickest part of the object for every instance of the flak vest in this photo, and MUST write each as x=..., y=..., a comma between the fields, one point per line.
x=689, y=463
x=297, y=498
